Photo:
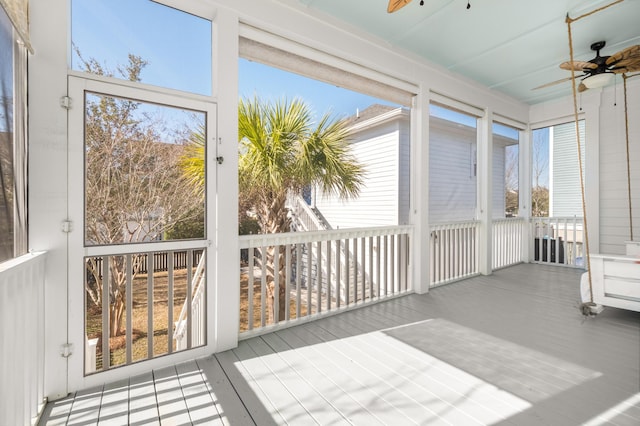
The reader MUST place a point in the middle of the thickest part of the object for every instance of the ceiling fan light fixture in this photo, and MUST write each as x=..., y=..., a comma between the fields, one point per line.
x=598, y=80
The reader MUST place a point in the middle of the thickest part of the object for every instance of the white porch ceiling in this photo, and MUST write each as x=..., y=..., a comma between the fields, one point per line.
x=510, y=46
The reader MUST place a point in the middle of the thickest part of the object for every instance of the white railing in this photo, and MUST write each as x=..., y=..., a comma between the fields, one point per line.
x=146, y=289
x=22, y=339
x=196, y=321
x=557, y=241
x=453, y=252
x=311, y=278
x=303, y=216
x=508, y=237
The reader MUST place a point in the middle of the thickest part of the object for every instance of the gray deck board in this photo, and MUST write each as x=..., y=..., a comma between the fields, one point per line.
x=143, y=405
x=114, y=407
x=230, y=407
x=197, y=397
x=508, y=349
x=171, y=404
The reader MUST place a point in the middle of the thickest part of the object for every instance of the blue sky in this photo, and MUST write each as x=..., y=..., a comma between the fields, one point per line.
x=174, y=44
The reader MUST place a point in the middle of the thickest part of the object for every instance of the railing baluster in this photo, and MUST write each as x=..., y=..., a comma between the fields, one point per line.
x=170, y=301
x=386, y=267
x=309, y=281
x=319, y=277
x=189, y=300
x=276, y=284
x=392, y=263
x=355, y=270
x=250, y=284
x=263, y=286
x=378, y=266
x=371, y=294
x=298, y=278
x=129, y=309
x=347, y=273
x=106, y=303
x=338, y=244
x=363, y=272
x=287, y=283
x=329, y=283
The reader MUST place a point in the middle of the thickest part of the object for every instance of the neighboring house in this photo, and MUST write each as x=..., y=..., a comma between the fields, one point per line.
x=381, y=142
x=565, y=198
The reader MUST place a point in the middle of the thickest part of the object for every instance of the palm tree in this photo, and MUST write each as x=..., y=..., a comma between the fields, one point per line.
x=282, y=150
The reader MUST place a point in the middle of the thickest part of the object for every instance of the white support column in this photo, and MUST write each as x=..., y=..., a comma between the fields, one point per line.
x=420, y=196
x=525, y=155
x=485, y=191
x=48, y=184
x=591, y=168
x=224, y=291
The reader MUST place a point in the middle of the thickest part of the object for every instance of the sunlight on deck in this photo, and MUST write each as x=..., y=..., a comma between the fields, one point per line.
x=427, y=371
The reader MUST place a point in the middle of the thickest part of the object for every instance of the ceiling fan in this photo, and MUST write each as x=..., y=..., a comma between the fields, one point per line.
x=396, y=5
x=599, y=71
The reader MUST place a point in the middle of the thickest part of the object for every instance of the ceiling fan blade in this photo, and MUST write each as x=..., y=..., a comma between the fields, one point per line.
x=626, y=65
x=631, y=52
x=395, y=5
x=553, y=83
x=578, y=65
x=582, y=87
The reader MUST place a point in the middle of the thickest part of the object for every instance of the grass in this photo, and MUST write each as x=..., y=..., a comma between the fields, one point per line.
x=160, y=315
x=139, y=326
x=244, y=304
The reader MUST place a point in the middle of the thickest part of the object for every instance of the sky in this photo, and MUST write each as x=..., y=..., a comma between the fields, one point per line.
x=177, y=47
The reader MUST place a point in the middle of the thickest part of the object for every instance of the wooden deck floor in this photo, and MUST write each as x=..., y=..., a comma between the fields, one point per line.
x=509, y=349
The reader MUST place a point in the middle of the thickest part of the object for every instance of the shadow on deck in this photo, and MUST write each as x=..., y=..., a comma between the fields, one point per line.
x=511, y=348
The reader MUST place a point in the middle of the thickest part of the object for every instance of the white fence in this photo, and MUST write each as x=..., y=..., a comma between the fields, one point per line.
x=558, y=241
x=508, y=242
x=291, y=276
x=22, y=339
x=453, y=252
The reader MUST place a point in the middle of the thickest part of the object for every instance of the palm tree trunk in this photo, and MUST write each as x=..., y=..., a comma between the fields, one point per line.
x=273, y=218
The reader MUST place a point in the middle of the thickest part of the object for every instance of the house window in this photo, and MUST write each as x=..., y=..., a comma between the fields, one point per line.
x=13, y=227
x=175, y=46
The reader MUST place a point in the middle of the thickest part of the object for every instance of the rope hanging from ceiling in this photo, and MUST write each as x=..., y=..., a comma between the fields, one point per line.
x=626, y=130
x=569, y=21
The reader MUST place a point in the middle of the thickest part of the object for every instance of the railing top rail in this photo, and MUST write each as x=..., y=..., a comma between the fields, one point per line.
x=23, y=261
x=260, y=240
x=554, y=218
x=459, y=223
x=508, y=219
x=306, y=209
x=147, y=247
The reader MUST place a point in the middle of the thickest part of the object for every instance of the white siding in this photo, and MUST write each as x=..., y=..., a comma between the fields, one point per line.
x=498, y=180
x=614, y=205
x=404, y=182
x=499, y=165
x=565, y=185
x=452, y=175
x=377, y=204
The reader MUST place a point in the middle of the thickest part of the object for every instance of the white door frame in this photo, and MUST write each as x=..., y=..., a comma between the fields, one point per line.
x=78, y=85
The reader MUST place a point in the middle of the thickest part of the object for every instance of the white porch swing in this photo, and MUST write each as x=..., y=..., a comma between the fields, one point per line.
x=610, y=280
